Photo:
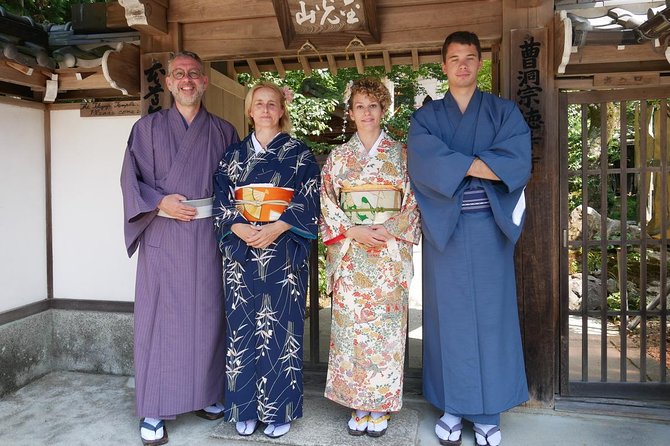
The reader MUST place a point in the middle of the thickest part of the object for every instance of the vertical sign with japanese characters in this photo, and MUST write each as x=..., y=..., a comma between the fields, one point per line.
x=528, y=79
x=154, y=94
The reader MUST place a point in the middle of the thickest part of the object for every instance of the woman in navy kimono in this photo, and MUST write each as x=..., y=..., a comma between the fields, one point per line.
x=265, y=264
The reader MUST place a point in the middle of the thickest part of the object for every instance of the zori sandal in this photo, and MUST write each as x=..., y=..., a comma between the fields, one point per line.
x=451, y=429
x=484, y=436
x=373, y=422
x=154, y=429
x=357, y=425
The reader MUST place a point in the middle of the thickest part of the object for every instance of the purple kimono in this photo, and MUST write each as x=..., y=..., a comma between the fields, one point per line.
x=179, y=332
x=473, y=363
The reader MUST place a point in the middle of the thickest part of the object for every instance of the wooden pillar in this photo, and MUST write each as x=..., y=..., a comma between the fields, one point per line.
x=527, y=78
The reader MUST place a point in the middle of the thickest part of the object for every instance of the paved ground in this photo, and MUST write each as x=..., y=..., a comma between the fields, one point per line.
x=69, y=409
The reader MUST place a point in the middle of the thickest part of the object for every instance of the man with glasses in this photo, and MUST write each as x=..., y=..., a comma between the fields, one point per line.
x=166, y=182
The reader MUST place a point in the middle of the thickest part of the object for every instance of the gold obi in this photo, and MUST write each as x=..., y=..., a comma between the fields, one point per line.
x=370, y=203
x=262, y=202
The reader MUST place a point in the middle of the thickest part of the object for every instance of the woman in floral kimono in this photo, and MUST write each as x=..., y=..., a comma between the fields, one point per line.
x=266, y=215
x=369, y=222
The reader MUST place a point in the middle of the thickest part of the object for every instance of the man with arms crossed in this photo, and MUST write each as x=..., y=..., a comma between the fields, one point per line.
x=469, y=160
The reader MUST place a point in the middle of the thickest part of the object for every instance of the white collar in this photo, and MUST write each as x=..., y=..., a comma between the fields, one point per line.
x=258, y=148
x=374, y=147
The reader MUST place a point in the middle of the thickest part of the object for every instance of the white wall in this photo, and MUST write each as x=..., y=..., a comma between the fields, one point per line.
x=89, y=257
x=23, y=277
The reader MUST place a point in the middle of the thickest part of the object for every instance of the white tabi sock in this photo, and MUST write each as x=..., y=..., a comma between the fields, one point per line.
x=277, y=430
x=150, y=434
x=355, y=426
x=377, y=427
x=214, y=408
x=246, y=427
x=493, y=440
x=451, y=421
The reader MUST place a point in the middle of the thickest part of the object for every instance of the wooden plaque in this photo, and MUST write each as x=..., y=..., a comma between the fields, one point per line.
x=326, y=23
x=154, y=93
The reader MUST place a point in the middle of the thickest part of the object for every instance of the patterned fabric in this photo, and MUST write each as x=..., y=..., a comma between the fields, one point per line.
x=475, y=200
x=370, y=285
x=178, y=295
x=265, y=288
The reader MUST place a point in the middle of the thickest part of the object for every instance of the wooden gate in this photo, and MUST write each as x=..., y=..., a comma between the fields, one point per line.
x=614, y=257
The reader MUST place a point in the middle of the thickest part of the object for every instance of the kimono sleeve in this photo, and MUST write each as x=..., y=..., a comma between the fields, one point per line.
x=509, y=155
x=406, y=224
x=140, y=198
x=225, y=213
x=303, y=211
x=429, y=154
x=334, y=222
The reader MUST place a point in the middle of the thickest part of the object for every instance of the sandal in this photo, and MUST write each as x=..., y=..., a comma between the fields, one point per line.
x=360, y=422
x=242, y=427
x=451, y=429
x=147, y=426
x=203, y=413
x=375, y=421
x=480, y=432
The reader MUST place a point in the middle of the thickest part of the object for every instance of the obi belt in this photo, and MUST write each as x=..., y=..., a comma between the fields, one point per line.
x=371, y=204
x=262, y=202
x=475, y=200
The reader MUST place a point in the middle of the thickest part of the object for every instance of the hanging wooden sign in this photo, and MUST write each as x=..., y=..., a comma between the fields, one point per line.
x=112, y=108
x=529, y=81
x=326, y=23
x=155, y=94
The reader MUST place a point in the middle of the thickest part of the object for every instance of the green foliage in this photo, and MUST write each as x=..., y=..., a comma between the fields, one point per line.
x=51, y=11
x=317, y=97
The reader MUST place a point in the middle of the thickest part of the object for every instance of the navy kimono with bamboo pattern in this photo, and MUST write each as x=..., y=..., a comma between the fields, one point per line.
x=265, y=288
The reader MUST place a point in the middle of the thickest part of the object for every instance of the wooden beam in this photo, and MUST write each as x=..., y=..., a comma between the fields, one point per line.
x=68, y=80
x=227, y=84
x=148, y=16
x=360, y=66
x=415, y=59
x=306, y=67
x=626, y=79
x=36, y=80
x=116, y=16
x=387, y=61
x=254, y=68
x=332, y=64
x=230, y=69
x=280, y=67
x=121, y=69
x=428, y=23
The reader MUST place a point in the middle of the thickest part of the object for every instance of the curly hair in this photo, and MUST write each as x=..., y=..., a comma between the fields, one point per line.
x=285, y=124
x=373, y=87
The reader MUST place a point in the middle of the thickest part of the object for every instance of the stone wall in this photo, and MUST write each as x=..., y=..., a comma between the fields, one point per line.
x=83, y=341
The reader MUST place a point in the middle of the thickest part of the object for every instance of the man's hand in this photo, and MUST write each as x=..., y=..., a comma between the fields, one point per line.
x=173, y=206
x=480, y=169
x=260, y=236
x=367, y=236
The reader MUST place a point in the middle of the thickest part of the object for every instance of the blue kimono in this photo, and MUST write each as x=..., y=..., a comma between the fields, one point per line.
x=264, y=289
x=473, y=360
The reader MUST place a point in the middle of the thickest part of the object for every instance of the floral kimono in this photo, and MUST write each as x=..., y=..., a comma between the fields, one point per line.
x=370, y=286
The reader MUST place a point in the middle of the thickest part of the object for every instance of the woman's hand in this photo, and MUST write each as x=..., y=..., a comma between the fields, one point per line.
x=368, y=235
x=244, y=231
x=264, y=236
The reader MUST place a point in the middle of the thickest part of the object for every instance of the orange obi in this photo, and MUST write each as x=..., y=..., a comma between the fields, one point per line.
x=370, y=203
x=262, y=202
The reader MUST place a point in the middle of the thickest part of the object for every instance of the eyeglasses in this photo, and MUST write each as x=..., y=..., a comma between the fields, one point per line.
x=179, y=74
